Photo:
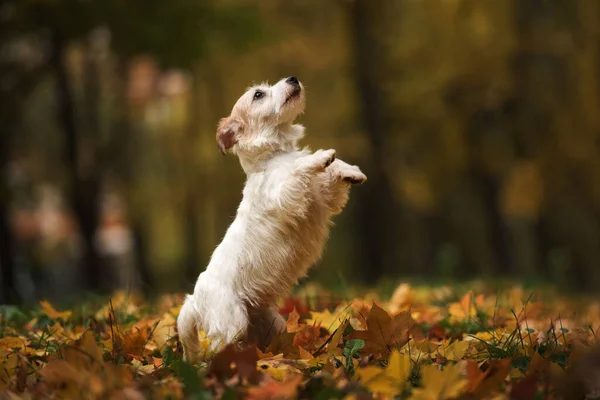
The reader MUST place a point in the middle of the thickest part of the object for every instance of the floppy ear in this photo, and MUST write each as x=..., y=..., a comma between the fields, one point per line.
x=228, y=132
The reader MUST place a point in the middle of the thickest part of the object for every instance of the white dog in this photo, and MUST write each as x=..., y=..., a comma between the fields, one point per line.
x=281, y=225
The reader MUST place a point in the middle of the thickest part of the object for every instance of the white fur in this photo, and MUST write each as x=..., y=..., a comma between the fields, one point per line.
x=281, y=225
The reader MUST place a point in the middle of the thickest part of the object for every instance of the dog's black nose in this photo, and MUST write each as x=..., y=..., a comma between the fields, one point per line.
x=292, y=80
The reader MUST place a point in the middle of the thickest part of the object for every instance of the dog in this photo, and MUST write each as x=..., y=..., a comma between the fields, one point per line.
x=281, y=225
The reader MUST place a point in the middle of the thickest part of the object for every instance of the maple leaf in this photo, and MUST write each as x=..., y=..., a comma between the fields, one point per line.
x=293, y=304
x=281, y=368
x=9, y=343
x=325, y=319
x=481, y=383
x=440, y=384
x=292, y=322
x=388, y=381
x=52, y=313
x=271, y=389
x=454, y=351
x=284, y=343
x=384, y=333
x=230, y=361
x=8, y=368
x=164, y=330
x=402, y=298
x=466, y=308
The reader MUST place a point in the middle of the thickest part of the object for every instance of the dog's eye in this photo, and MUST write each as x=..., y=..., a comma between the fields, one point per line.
x=259, y=94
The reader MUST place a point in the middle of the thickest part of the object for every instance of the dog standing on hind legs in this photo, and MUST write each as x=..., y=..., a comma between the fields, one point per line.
x=281, y=225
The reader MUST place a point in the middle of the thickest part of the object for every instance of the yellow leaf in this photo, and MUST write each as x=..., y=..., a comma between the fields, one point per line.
x=88, y=344
x=440, y=384
x=146, y=369
x=304, y=355
x=399, y=367
x=325, y=319
x=401, y=299
x=466, y=308
x=164, y=330
x=333, y=349
x=10, y=343
x=454, y=351
x=52, y=313
x=8, y=368
x=281, y=368
x=388, y=381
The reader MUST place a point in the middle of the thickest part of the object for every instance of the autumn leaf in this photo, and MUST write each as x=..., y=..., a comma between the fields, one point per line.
x=384, y=333
x=325, y=319
x=292, y=322
x=230, y=361
x=293, y=304
x=388, y=381
x=8, y=368
x=525, y=389
x=8, y=344
x=454, y=351
x=270, y=389
x=466, y=308
x=402, y=298
x=281, y=368
x=52, y=313
x=481, y=383
x=440, y=384
x=333, y=349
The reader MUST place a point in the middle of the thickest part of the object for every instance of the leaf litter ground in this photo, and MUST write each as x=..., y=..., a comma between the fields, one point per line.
x=420, y=343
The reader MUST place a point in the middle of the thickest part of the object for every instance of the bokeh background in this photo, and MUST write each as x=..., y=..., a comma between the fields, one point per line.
x=477, y=123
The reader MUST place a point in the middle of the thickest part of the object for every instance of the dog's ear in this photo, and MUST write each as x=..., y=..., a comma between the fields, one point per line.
x=228, y=133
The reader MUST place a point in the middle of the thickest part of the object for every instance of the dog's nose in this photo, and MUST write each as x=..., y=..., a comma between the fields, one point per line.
x=292, y=80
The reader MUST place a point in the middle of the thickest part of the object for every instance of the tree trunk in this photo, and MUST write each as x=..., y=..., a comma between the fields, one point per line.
x=376, y=211
x=84, y=181
x=8, y=294
x=192, y=199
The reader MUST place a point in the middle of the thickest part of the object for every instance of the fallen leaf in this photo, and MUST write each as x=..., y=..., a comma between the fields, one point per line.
x=52, y=313
x=281, y=368
x=388, y=381
x=481, y=383
x=270, y=389
x=524, y=389
x=292, y=322
x=440, y=384
x=384, y=333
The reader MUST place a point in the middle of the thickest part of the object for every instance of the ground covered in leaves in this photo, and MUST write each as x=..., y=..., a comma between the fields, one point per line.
x=418, y=343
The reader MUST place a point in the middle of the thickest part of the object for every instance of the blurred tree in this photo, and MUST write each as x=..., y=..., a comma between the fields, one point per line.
x=377, y=213
x=174, y=33
x=20, y=71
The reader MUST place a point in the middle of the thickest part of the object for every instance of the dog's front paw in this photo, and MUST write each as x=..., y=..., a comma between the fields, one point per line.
x=323, y=158
x=317, y=161
x=352, y=174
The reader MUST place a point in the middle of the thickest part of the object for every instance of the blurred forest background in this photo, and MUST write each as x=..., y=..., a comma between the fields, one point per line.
x=476, y=121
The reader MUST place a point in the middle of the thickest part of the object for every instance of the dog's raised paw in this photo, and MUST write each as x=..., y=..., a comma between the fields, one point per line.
x=353, y=175
x=324, y=158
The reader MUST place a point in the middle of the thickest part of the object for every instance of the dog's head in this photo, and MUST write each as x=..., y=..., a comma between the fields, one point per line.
x=262, y=118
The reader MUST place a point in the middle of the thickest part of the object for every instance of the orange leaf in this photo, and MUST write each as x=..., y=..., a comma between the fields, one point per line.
x=384, y=333
x=292, y=322
x=271, y=389
x=52, y=313
x=483, y=382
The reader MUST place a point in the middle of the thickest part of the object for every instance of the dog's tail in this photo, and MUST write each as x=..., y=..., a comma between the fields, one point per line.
x=187, y=327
